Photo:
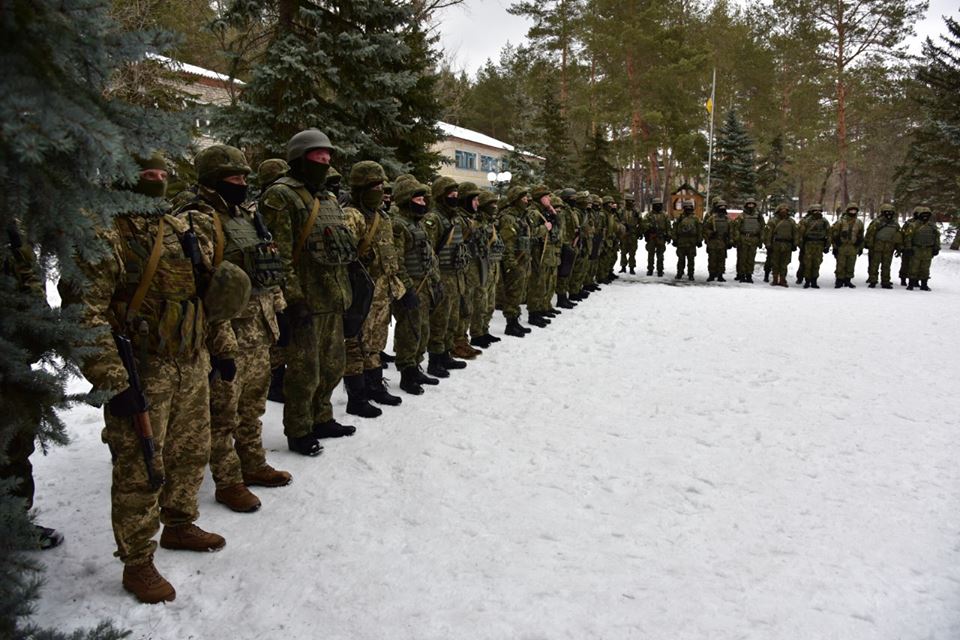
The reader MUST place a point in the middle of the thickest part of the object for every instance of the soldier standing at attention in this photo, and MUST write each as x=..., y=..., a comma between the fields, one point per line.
x=907, y=252
x=570, y=241
x=687, y=237
x=656, y=232
x=882, y=240
x=847, y=245
x=545, y=244
x=515, y=233
x=781, y=242
x=718, y=236
x=747, y=236
x=924, y=243
x=813, y=234
x=632, y=222
x=485, y=302
x=474, y=273
x=315, y=248
x=238, y=388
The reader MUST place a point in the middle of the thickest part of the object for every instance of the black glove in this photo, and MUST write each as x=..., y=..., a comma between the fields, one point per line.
x=226, y=367
x=834, y=252
x=127, y=403
x=409, y=300
x=283, y=324
x=936, y=251
x=860, y=251
x=826, y=249
x=699, y=244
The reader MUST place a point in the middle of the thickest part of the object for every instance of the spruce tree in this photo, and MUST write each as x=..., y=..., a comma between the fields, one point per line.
x=66, y=142
x=557, y=171
x=772, y=179
x=596, y=172
x=733, y=175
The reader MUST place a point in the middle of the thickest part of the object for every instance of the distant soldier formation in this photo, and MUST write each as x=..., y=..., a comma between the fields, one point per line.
x=211, y=305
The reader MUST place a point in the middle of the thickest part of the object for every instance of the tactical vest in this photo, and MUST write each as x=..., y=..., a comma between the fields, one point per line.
x=496, y=248
x=523, y=233
x=750, y=226
x=721, y=224
x=783, y=231
x=848, y=231
x=170, y=322
x=687, y=227
x=244, y=247
x=418, y=255
x=453, y=254
x=887, y=232
x=924, y=235
x=329, y=242
x=816, y=231
x=660, y=222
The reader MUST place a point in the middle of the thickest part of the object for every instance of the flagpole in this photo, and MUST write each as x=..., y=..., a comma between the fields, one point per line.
x=710, y=108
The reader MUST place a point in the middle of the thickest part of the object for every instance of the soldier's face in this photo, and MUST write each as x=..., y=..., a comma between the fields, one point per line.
x=153, y=175
x=419, y=200
x=239, y=179
x=320, y=156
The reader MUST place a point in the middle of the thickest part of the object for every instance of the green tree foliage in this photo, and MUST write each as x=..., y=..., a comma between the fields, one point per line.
x=772, y=179
x=554, y=34
x=557, y=167
x=734, y=174
x=596, y=172
x=67, y=140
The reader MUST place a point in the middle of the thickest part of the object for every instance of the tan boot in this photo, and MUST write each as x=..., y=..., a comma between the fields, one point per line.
x=146, y=583
x=267, y=476
x=190, y=537
x=238, y=498
x=462, y=350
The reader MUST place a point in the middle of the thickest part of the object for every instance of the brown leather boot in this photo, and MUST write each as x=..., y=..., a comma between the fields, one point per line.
x=462, y=350
x=267, y=476
x=238, y=498
x=190, y=537
x=146, y=583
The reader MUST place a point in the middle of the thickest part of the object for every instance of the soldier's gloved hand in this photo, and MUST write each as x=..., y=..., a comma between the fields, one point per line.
x=283, y=324
x=127, y=403
x=409, y=300
x=227, y=367
x=860, y=251
x=826, y=250
x=699, y=244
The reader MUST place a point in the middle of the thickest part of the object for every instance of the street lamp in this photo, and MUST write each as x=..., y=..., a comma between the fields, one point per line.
x=498, y=180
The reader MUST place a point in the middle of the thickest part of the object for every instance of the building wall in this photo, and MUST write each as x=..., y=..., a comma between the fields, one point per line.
x=449, y=147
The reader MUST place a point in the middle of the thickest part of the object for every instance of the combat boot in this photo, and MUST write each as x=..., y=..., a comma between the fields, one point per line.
x=564, y=303
x=660, y=273
x=679, y=276
x=410, y=381
x=871, y=285
x=783, y=281
x=332, y=429
x=377, y=389
x=451, y=363
x=479, y=341
x=423, y=378
x=923, y=286
x=721, y=279
x=146, y=583
x=650, y=272
x=849, y=284
x=623, y=269
x=462, y=350
x=886, y=285
x=838, y=284
x=237, y=498
x=766, y=275
x=267, y=476
x=357, y=402
x=690, y=277
x=435, y=366
x=806, y=285
x=492, y=338
x=710, y=278
x=514, y=329
x=903, y=282
x=814, y=285
x=190, y=537
x=575, y=297
x=632, y=272
x=275, y=394
x=799, y=279
x=912, y=283
x=550, y=313
x=748, y=278
x=537, y=320
x=305, y=445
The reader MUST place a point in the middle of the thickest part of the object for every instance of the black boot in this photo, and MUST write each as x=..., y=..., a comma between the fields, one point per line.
x=564, y=302
x=377, y=390
x=710, y=278
x=551, y=313
x=305, y=445
x=799, y=279
x=435, y=366
x=623, y=269
x=721, y=279
x=903, y=282
x=479, y=341
x=849, y=284
x=690, y=277
x=911, y=284
x=838, y=283
x=386, y=357
x=423, y=378
x=886, y=285
x=357, y=402
x=537, y=320
x=632, y=272
x=493, y=339
x=806, y=285
x=332, y=429
x=275, y=393
x=766, y=275
x=814, y=285
x=748, y=278
x=923, y=286
x=871, y=285
x=410, y=381
x=514, y=329
x=660, y=273
x=449, y=362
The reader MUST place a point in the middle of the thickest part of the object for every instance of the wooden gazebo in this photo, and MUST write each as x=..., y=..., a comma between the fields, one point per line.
x=686, y=192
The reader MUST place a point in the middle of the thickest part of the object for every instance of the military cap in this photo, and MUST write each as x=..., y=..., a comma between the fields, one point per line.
x=406, y=190
x=306, y=140
x=468, y=189
x=539, y=191
x=218, y=161
x=442, y=186
x=227, y=294
x=516, y=192
x=271, y=170
x=366, y=173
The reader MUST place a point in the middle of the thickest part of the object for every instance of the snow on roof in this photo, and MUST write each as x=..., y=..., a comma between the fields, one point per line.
x=192, y=69
x=453, y=131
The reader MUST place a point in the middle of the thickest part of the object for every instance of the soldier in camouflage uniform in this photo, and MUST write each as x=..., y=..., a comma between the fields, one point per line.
x=149, y=287
x=600, y=231
x=515, y=232
x=847, y=236
x=632, y=223
x=363, y=373
x=924, y=243
x=485, y=299
x=238, y=391
x=906, y=253
x=813, y=234
x=882, y=240
x=570, y=243
x=445, y=228
x=315, y=247
x=747, y=233
x=656, y=233
x=780, y=238
x=418, y=270
x=583, y=237
x=718, y=234
x=611, y=241
x=476, y=270
x=269, y=171
x=545, y=255
x=687, y=238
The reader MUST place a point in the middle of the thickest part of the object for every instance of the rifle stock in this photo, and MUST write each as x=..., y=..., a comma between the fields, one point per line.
x=141, y=420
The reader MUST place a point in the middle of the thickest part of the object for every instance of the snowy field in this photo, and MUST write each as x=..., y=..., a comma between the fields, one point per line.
x=663, y=462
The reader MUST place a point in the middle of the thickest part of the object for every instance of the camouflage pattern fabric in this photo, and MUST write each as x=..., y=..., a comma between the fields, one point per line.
x=847, y=243
x=781, y=241
x=813, y=234
x=316, y=360
x=924, y=243
x=515, y=267
x=882, y=239
x=628, y=246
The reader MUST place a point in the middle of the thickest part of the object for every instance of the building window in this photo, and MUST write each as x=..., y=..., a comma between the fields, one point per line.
x=504, y=164
x=466, y=160
x=488, y=163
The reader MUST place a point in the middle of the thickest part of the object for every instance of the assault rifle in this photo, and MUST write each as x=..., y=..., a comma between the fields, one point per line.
x=141, y=420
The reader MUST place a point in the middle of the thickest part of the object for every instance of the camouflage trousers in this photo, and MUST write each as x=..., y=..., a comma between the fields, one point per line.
x=780, y=254
x=920, y=263
x=363, y=350
x=18, y=466
x=628, y=253
x=515, y=288
x=412, y=332
x=846, y=261
x=686, y=257
x=716, y=257
x=179, y=398
x=468, y=305
x=543, y=282
x=879, y=259
x=905, y=264
x=236, y=443
x=812, y=258
x=746, y=256
x=578, y=277
x=445, y=316
x=655, y=252
x=316, y=359
x=484, y=301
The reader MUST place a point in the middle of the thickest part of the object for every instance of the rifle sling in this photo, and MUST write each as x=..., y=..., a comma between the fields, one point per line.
x=151, y=270
x=368, y=236
x=305, y=231
x=220, y=241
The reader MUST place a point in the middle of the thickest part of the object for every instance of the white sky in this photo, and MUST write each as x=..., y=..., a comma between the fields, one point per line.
x=474, y=31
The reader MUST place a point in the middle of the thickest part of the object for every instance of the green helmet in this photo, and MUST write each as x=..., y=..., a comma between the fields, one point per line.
x=467, y=190
x=751, y=200
x=227, y=294
x=366, y=173
x=406, y=190
x=568, y=193
x=306, y=140
x=629, y=197
x=815, y=207
x=154, y=161
x=442, y=186
x=919, y=211
x=539, y=191
x=333, y=177
x=887, y=207
x=720, y=203
x=595, y=200
x=609, y=200
x=657, y=201
x=852, y=207
x=782, y=208
x=270, y=171
x=487, y=198
x=582, y=199
x=218, y=161
x=514, y=193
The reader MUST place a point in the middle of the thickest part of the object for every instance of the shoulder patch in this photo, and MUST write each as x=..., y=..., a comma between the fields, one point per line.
x=429, y=223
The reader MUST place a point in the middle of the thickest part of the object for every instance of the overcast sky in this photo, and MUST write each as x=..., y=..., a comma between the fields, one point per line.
x=474, y=31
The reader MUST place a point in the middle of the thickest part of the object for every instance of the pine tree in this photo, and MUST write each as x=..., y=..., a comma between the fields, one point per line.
x=772, y=179
x=557, y=169
x=344, y=66
x=66, y=142
x=733, y=175
x=596, y=172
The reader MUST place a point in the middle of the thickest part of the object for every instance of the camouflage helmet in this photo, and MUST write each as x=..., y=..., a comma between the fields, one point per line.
x=568, y=193
x=154, y=161
x=468, y=190
x=657, y=201
x=516, y=192
x=333, y=177
x=582, y=198
x=539, y=191
x=782, y=208
x=442, y=186
x=488, y=198
x=609, y=200
x=366, y=173
x=218, y=161
x=555, y=200
x=271, y=170
x=887, y=206
x=228, y=292
x=719, y=203
x=815, y=207
x=851, y=207
x=750, y=200
x=629, y=197
x=919, y=211
x=403, y=176
x=595, y=200
x=406, y=190
x=306, y=140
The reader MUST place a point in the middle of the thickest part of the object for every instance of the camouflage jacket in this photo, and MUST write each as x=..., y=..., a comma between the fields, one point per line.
x=847, y=231
x=378, y=252
x=884, y=231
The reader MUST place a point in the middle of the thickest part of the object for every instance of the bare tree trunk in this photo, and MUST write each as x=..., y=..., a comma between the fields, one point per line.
x=842, y=139
x=823, y=185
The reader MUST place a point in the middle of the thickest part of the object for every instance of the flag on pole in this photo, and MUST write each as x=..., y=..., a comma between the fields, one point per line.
x=709, y=106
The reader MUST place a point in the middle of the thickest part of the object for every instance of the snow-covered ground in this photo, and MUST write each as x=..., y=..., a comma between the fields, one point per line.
x=664, y=462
